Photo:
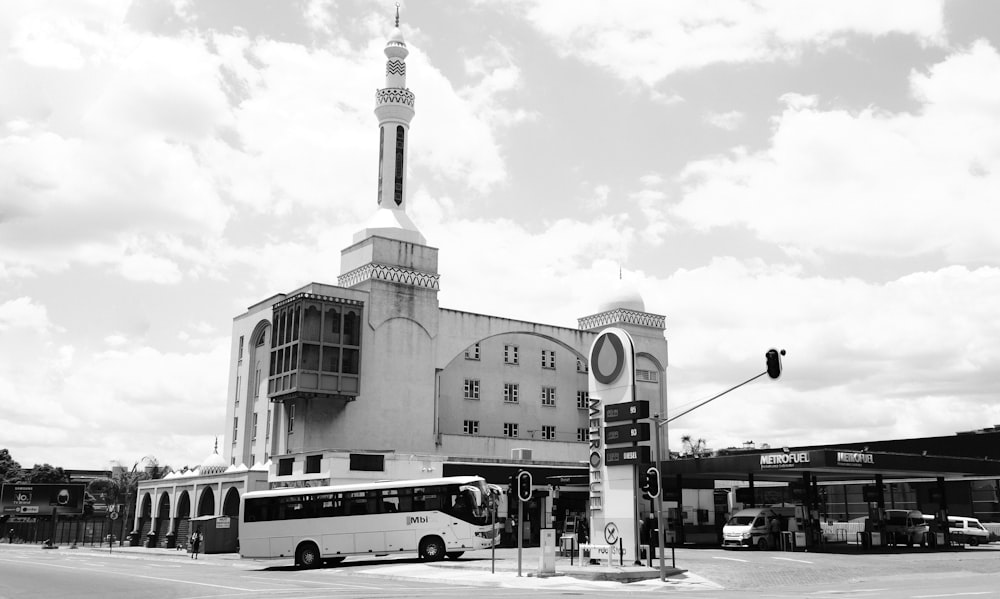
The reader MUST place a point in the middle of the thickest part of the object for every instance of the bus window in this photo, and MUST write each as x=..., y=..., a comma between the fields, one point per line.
x=390, y=501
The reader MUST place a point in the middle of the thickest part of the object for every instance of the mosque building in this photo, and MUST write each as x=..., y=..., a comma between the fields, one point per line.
x=370, y=378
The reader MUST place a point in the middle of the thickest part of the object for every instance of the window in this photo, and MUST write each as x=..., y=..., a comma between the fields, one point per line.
x=256, y=381
x=253, y=433
x=240, y=356
x=471, y=389
x=368, y=462
x=582, y=435
x=313, y=463
x=236, y=428
x=397, y=194
x=510, y=392
x=510, y=354
x=253, y=459
x=470, y=427
x=548, y=396
x=472, y=353
x=285, y=466
x=549, y=359
x=583, y=399
x=548, y=432
x=646, y=376
x=581, y=366
x=267, y=431
x=509, y=429
x=291, y=418
x=238, y=381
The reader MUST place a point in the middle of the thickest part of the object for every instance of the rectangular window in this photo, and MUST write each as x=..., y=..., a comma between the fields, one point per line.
x=548, y=396
x=548, y=432
x=285, y=466
x=236, y=428
x=238, y=381
x=471, y=389
x=470, y=427
x=291, y=418
x=583, y=400
x=267, y=431
x=510, y=354
x=646, y=376
x=510, y=429
x=472, y=353
x=313, y=463
x=240, y=356
x=549, y=359
x=582, y=435
x=581, y=366
x=510, y=392
x=367, y=462
x=253, y=458
x=253, y=433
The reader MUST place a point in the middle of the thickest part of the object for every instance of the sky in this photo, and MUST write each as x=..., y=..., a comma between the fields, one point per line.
x=820, y=176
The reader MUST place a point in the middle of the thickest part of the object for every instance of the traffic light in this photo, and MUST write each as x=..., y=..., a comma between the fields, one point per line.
x=524, y=485
x=773, y=357
x=651, y=483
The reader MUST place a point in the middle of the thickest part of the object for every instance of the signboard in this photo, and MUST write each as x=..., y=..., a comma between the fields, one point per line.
x=630, y=410
x=222, y=522
x=627, y=455
x=37, y=498
x=626, y=433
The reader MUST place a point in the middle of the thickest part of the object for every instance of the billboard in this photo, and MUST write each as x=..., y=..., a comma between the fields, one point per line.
x=39, y=498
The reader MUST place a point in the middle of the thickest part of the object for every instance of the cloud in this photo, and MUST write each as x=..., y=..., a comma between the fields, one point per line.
x=859, y=353
x=872, y=182
x=649, y=41
x=728, y=121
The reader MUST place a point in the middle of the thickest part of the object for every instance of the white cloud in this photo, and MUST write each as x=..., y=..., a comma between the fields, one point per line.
x=872, y=182
x=858, y=353
x=729, y=121
x=647, y=41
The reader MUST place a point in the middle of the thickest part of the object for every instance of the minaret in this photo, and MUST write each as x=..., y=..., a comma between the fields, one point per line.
x=389, y=249
x=394, y=109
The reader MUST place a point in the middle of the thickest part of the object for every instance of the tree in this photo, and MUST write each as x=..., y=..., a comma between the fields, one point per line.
x=122, y=485
x=10, y=471
x=45, y=473
x=693, y=448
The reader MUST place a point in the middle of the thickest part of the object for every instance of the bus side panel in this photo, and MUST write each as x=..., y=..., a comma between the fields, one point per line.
x=255, y=547
x=371, y=542
x=282, y=547
x=338, y=544
x=401, y=540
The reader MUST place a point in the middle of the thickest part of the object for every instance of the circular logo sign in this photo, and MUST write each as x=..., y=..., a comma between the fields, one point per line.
x=611, y=533
x=607, y=358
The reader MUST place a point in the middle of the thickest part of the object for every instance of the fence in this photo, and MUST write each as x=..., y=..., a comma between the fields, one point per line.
x=93, y=531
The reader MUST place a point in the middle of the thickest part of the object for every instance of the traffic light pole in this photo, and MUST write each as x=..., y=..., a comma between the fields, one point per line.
x=520, y=532
x=659, y=501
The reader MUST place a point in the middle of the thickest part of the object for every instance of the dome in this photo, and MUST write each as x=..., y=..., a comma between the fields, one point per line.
x=214, y=461
x=623, y=294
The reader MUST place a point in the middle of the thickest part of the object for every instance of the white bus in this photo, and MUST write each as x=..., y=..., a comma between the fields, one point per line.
x=434, y=517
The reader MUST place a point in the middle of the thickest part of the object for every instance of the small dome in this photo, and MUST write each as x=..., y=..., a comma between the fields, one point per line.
x=622, y=294
x=396, y=35
x=213, y=461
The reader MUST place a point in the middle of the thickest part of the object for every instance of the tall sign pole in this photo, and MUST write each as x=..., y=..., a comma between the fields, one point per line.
x=523, y=495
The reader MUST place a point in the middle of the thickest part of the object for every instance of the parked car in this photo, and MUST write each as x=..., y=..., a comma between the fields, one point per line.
x=906, y=526
x=967, y=530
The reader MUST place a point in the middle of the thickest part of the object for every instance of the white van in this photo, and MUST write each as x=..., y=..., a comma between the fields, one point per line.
x=908, y=527
x=748, y=527
x=967, y=530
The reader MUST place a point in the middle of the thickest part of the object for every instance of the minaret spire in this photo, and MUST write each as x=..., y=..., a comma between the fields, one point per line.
x=394, y=109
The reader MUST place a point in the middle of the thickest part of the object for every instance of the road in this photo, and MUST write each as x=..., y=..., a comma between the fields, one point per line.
x=28, y=571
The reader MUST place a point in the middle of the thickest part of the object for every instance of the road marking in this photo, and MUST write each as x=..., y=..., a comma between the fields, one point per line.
x=732, y=559
x=788, y=559
x=953, y=594
x=205, y=584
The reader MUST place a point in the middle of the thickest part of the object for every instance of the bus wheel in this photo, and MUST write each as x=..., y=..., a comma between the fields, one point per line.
x=308, y=556
x=455, y=554
x=432, y=549
x=973, y=541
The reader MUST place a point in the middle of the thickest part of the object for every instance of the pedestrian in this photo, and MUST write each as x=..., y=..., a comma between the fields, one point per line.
x=10, y=536
x=195, y=543
x=774, y=531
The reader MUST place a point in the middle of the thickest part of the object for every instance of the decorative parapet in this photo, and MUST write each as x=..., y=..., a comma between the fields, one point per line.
x=394, y=95
x=622, y=315
x=392, y=274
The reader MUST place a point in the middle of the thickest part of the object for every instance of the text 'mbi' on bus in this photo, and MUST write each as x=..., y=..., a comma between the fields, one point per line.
x=434, y=517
